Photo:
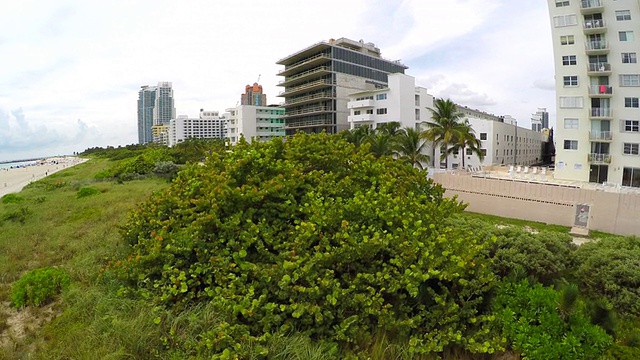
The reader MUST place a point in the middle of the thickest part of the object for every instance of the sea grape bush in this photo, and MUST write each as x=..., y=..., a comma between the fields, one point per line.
x=310, y=235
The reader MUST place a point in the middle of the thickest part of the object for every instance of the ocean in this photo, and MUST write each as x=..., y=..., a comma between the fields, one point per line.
x=17, y=164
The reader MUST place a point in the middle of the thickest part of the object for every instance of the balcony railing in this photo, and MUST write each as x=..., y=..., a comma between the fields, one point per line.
x=304, y=61
x=600, y=112
x=319, y=69
x=308, y=98
x=600, y=90
x=599, y=67
x=361, y=118
x=599, y=158
x=600, y=135
x=360, y=104
x=597, y=46
x=590, y=5
x=598, y=24
x=309, y=110
x=306, y=86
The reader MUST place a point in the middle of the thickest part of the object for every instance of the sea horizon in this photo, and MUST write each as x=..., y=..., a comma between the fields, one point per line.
x=5, y=164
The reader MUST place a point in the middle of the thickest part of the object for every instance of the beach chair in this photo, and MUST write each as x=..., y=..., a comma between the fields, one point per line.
x=543, y=174
x=518, y=171
x=534, y=173
x=511, y=171
x=525, y=172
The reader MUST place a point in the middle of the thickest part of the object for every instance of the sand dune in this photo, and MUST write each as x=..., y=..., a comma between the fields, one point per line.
x=13, y=180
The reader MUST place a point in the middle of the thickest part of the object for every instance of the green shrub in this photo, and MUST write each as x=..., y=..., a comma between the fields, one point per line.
x=12, y=199
x=39, y=286
x=40, y=199
x=309, y=235
x=538, y=324
x=86, y=191
x=19, y=215
x=53, y=185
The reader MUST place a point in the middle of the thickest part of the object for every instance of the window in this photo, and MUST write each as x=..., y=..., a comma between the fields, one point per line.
x=561, y=3
x=630, y=80
x=565, y=20
x=356, y=112
x=571, y=102
x=570, y=123
x=622, y=15
x=567, y=40
x=381, y=97
x=630, y=125
x=631, y=102
x=631, y=177
x=483, y=136
x=417, y=100
x=630, y=149
x=625, y=35
x=571, y=80
x=571, y=144
x=370, y=111
x=569, y=60
x=629, y=58
x=417, y=114
x=381, y=111
x=483, y=152
x=469, y=151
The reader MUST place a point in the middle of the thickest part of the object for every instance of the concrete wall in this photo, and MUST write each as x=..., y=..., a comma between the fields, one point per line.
x=612, y=212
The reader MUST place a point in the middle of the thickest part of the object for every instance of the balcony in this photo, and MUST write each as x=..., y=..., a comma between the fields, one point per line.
x=600, y=91
x=599, y=69
x=597, y=47
x=301, y=100
x=361, y=118
x=591, y=6
x=303, y=76
x=599, y=158
x=305, y=64
x=600, y=136
x=601, y=113
x=307, y=111
x=308, y=87
x=360, y=104
x=594, y=27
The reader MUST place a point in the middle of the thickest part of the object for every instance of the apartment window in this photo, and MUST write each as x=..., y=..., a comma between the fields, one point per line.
x=630, y=149
x=370, y=111
x=630, y=80
x=625, y=35
x=381, y=97
x=565, y=20
x=629, y=58
x=571, y=80
x=569, y=60
x=381, y=111
x=561, y=3
x=417, y=114
x=567, y=40
x=631, y=177
x=356, y=112
x=622, y=15
x=631, y=125
x=570, y=123
x=571, y=144
x=469, y=151
x=417, y=100
x=483, y=152
x=571, y=102
x=631, y=102
x=483, y=136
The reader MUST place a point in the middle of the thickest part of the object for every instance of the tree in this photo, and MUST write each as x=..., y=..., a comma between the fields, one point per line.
x=466, y=139
x=392, y=128
x=381, y=144
x=410, y=145
x=358, y=136
x=444, y=128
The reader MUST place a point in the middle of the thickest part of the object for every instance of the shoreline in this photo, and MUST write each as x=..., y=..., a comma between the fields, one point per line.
x=13, y=180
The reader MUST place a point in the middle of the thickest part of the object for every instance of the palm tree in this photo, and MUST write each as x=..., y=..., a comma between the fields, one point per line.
x=358, y=136
x=444, y=127
x=410, y=144
x=392, y=128
x=466, y=139
x=381, y=144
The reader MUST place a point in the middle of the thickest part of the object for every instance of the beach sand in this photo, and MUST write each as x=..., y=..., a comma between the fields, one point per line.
x=13, y=180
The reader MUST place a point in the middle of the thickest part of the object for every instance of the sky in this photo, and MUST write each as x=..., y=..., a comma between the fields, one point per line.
x=70, y=70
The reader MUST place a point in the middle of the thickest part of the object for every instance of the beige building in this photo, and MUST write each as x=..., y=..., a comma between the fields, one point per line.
x=597, y=89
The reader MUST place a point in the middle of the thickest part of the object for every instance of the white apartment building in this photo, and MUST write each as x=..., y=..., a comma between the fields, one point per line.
x=400, y=101
x=597, y=89
x=208, y=126
x=255, y=122
x=503, y=142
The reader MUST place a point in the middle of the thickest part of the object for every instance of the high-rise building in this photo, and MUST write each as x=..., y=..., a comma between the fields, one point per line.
x=319, y=79
x=597, y=89
x=155, y=109
x=208, y=126
x=253, y=96
x=540, y=120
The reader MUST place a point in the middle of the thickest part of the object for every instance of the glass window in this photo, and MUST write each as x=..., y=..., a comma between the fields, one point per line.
x=631, y=102
x=630, y=80
x=630, y=125
x=571, y=102
x=630, y=149
x=629, y=58
x=565, y=20
x=631, y=177
x=381, y=111
x=625, y=35
x=571, y=144
x=622, y=15
x=571, y=80
x=570, y=123
x=483, y=136
x=567, y=40
x=381, y=96
x=561, y=3
x=569, y=60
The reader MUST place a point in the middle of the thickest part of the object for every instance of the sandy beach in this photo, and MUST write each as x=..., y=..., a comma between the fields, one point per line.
x=13, y=180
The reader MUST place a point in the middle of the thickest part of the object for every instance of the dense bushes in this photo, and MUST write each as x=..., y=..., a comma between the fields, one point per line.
x=38, y=287
x=309, y=235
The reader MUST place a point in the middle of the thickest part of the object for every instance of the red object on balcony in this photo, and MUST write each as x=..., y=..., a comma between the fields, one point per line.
x=603, y=89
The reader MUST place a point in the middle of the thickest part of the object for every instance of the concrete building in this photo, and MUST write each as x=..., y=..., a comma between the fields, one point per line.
x=597, y=89
x=255, y=122
x=253, y=96
x=318, y=80
x=208, y=126
x=155, y=108
x=503, y=142
x=540, y=120
x=401, y=100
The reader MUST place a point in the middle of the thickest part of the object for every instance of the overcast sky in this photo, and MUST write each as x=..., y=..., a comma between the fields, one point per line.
x=70, y=70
